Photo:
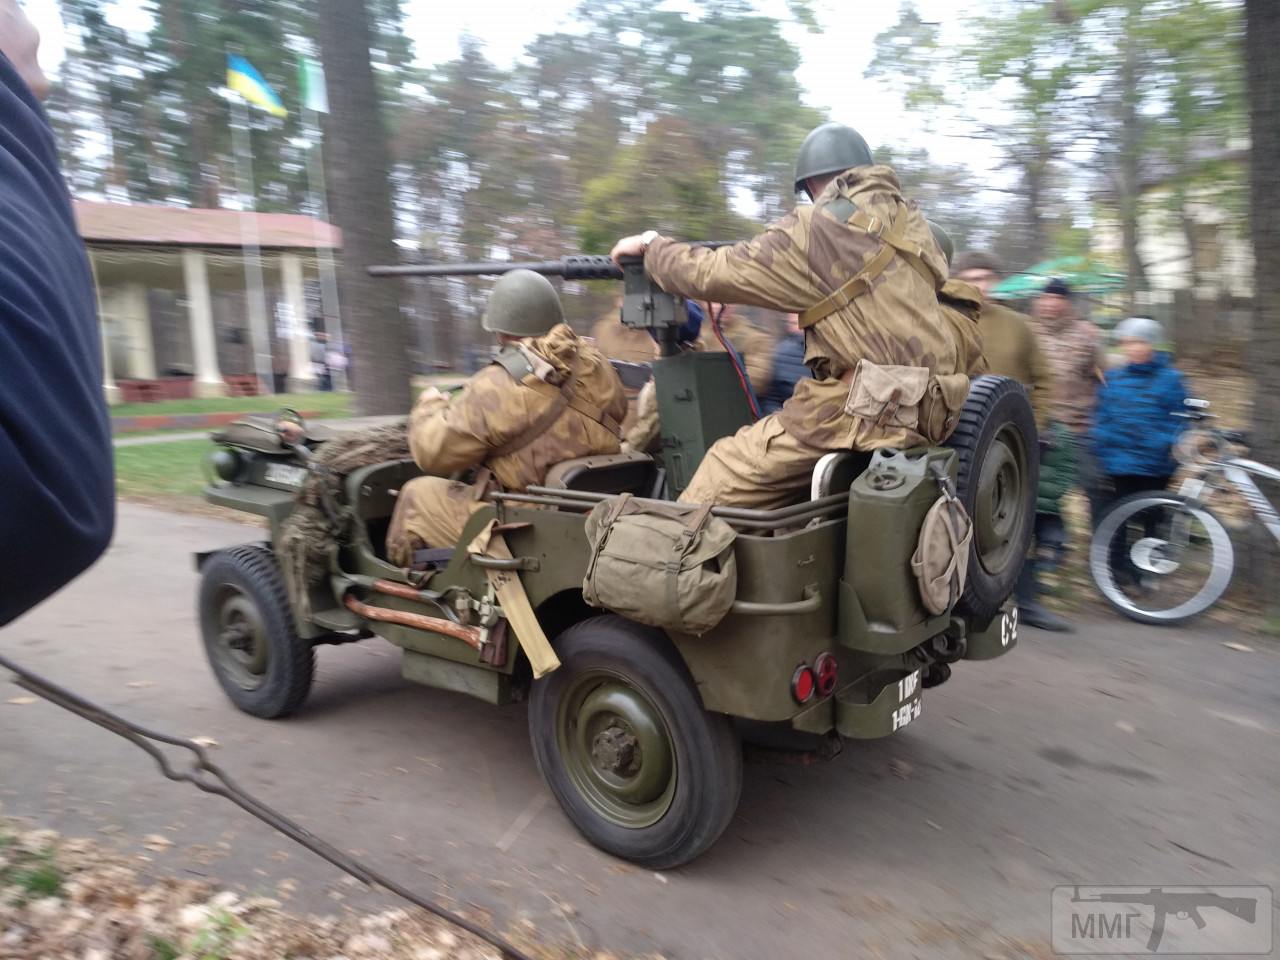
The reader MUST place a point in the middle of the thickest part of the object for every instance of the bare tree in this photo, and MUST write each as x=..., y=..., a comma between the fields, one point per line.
x=360, y=198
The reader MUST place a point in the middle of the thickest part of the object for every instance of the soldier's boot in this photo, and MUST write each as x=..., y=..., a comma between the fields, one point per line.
x=1030, y=610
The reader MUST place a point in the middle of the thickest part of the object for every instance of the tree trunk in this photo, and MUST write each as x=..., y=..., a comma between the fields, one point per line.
x=1130, y=152
x=1262, y=40
x=360, y=200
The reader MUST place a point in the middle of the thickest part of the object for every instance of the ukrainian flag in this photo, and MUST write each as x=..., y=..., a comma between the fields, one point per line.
x=244, y=79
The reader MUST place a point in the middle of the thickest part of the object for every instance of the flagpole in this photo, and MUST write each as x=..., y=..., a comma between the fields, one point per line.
x=326, y=266
x=250, y=247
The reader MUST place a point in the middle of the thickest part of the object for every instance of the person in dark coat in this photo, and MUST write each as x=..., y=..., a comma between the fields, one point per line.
x=788, y=368
x=57, y=497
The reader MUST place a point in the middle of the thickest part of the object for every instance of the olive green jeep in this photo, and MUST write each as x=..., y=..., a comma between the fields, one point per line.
x=638, y=731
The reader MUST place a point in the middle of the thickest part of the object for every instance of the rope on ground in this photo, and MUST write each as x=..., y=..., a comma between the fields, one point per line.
x=207, y=776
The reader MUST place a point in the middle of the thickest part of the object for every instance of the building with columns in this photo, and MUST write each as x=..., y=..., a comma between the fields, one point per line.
x=176, y=318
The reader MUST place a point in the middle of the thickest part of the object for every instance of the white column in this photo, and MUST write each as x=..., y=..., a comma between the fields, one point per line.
x=109, y=389
x=204, y=347
x=137, y=315
x=301, y=376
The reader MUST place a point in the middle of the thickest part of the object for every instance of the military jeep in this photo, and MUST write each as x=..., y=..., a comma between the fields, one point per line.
x=638, y=731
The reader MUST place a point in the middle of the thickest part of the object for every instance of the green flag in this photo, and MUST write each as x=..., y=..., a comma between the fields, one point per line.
x=311, y=83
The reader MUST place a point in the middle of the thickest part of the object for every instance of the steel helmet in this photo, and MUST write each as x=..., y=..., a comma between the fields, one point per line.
x=522, y=304
x=943, y=240
x=830, y=148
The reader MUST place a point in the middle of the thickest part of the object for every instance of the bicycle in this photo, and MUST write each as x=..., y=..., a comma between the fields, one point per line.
x=1182, y=560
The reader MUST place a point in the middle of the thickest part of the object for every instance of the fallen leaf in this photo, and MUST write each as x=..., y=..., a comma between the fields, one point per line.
x=156, y=841
x=1232, y=645
x=21, y=701
x=901, y=768
x=207, y=742
x=932, y=824
x=140, y=684
x=1126, y=726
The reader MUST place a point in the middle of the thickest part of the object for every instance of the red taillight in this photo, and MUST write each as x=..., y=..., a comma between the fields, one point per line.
x=825, y=669
x=803, y=684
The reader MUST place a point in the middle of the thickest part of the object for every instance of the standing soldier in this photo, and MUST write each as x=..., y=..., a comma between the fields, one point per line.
x=862, y=269
x=1009, y=342
x=548, y=397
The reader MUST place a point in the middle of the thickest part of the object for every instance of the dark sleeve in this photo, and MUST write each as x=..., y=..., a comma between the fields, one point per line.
x=56, y=495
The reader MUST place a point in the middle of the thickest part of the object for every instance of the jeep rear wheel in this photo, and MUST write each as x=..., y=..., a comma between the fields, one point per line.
x=246, y=622
x=998, y=472
x=621, y=738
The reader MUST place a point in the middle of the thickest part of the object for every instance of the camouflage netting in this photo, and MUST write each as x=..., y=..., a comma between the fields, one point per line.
x=307, y=541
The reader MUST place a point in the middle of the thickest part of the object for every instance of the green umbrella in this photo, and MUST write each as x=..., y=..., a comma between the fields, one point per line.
x=1081, y=274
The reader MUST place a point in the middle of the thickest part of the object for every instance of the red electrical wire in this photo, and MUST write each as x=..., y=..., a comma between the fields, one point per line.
x=714, y=316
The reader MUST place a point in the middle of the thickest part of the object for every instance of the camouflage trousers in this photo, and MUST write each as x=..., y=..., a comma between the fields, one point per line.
x=762, y=467
x=430, y=512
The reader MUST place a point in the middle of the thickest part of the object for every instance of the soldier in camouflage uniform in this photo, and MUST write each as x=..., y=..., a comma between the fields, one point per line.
x=863, y=271
x=548, y=397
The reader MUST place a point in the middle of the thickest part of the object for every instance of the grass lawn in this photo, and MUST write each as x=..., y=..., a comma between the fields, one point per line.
x=161, y=471
x=328, y=405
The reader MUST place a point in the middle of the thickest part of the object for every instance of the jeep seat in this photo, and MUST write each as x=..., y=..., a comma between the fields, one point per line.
x=835, y=472
x=635, y=473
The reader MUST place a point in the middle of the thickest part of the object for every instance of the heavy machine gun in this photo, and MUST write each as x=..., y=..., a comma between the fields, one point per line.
x=645, y=305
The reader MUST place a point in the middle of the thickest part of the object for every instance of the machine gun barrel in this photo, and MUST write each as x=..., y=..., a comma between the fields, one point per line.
x=585, y=267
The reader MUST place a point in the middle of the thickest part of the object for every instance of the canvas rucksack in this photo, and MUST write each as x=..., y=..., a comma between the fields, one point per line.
x=664, y=565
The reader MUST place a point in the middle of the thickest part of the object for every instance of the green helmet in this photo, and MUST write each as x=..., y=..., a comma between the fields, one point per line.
x=522, y=304
x=944, y=241
x=830, y=148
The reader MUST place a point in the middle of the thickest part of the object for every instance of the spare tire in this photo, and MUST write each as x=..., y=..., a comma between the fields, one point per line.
x=998, y=472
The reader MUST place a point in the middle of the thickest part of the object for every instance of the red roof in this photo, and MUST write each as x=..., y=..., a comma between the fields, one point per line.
x=192, y=227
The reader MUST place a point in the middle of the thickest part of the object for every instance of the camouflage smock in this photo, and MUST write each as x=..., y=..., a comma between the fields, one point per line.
x=495, y=410
x=804, y=257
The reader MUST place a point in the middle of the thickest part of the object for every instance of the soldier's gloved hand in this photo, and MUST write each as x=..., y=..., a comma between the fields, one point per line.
x=628, y=247
x=290, y=431
x=431, y=394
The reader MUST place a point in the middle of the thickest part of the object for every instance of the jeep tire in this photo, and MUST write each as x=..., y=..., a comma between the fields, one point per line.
x=247, y=626
x=621, y=738
x=998, y=473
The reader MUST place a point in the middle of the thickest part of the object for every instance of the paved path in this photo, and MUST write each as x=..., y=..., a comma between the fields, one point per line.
x=1121, y=754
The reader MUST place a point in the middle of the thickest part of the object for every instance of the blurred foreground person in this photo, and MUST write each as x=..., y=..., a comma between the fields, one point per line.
x=885, y=368
x=57, y=503
x=549, y=396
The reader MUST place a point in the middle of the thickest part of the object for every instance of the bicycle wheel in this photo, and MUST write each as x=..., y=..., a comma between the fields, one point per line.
x=1161, y=558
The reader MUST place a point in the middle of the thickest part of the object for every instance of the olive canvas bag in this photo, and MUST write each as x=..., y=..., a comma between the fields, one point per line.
x=665, y=565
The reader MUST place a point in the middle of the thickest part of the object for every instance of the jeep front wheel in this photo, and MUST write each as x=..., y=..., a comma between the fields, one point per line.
x=621, y=738
x=246, y=622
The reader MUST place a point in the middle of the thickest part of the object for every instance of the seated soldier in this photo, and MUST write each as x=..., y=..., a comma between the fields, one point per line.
x=549, y=396
x=863, y=271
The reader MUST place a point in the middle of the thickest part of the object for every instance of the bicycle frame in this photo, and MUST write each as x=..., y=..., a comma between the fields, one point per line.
x=1239, y=473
